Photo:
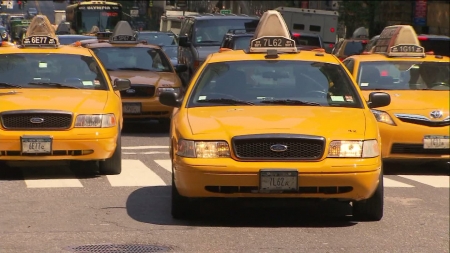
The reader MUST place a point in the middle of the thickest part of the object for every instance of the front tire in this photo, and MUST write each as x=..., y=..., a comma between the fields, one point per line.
x=113, y=165
x=181, y=208
x=372, y=208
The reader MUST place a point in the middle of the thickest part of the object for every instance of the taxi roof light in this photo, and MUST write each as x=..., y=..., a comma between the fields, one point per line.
x=399, y=41
x=271, y=34
x=123, y=34
x=40, y=33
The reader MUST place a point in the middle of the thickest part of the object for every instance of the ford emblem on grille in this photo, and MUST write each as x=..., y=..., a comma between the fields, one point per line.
x=130, y=91
x=36, y=120
x=436, y=114
x=278, y=148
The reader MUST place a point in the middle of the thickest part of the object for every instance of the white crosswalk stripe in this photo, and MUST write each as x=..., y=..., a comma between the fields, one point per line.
x=137, y=174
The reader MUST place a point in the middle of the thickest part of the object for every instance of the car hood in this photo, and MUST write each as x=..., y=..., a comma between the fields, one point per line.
x=145, y=77
x=78, y=101
x=414, y=99
x=204, y=51
x=330, y=122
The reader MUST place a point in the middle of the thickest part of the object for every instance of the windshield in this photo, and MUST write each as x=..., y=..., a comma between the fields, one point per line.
x=162, y=39
x=70, y=40
x=171, y=51
x=354, y=47
x=305, y=40
x=438, y=46
x=403, y=75
x=66, y=69
x=258, y=82
x=211, y=32
x=242, y=42
x=133, y=58
x=102, y=19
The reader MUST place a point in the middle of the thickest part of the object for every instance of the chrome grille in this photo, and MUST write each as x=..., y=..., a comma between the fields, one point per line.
x=258, y=147
x=22, y=120
x=422, y=120
x=139, y=90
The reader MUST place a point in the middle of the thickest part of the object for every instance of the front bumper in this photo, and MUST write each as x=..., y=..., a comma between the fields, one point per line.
x=403, y=142
x=149, y=108
x=347, y=179
x=75, y=144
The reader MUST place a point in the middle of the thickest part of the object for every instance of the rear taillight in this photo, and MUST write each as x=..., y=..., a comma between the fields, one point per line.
x=332, y=29
x=330, y=45
x=384, y=73
x=422, y=38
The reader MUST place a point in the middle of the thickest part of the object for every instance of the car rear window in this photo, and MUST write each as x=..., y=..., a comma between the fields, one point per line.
x=305, y=40
x=354, y=47
x=438, y=46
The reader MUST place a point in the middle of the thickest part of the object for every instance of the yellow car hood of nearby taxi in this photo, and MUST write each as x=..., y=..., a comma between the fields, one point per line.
x=78, y=101
x=145, y=77
x=330, y=122
x=415, y=99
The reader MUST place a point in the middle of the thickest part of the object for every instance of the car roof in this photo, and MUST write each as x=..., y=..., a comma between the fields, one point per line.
x=107, y=44
x=433, y=36
x=62, y=49
x=222, y=16
x=382, y=57
x=302, y=55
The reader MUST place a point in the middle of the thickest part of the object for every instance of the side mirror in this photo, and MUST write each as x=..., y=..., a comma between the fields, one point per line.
x=183, y=41
x=379, y=99
x=121, y=84
x=169, y=98
x=180, y=68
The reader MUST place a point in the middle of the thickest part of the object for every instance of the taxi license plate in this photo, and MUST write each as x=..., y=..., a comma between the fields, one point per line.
x=131, y=108
x=36, y=144
x=435, y=142
x=278, y=180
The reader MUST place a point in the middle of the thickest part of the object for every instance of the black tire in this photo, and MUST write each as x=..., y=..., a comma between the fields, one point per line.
x=113, y=165
x=372, y=208
x=181, y=208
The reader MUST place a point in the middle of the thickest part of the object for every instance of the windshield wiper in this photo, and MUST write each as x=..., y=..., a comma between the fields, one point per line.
x=137, y=69
x=226, y=101
x=289, y=102
x=9, y=85
x=59, y=85
x=111, y=69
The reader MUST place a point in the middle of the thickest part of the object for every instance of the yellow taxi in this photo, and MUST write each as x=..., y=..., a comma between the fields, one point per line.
x=146, y=66
x=58, y=104
x=301, y=130
x=415, y=126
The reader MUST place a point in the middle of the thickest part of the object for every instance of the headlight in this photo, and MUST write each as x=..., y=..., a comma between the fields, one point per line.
x=96, y=120
x=364, y=149
x=203, y=149
x=174, y=90
x=383, y=117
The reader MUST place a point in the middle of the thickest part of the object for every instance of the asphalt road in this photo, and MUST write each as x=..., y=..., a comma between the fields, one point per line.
x=47, y=7
x=47, y=210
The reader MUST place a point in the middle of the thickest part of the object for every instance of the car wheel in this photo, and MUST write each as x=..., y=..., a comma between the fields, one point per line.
x=181, y=208
x=371, y=209
x=113, y=165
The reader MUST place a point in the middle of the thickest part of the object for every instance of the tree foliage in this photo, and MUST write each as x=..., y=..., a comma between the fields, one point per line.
x=355, y=14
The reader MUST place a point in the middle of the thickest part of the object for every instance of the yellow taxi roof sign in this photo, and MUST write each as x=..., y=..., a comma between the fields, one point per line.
x=272, y=33
x=399, y=41
x=123, y=33
x=40, y=33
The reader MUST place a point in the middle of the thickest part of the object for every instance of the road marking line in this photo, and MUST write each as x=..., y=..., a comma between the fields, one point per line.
x=392, y=183
x=145, y=147
x=434, y=181
x=68, y=181
x=135, y=173
x=166, y=164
